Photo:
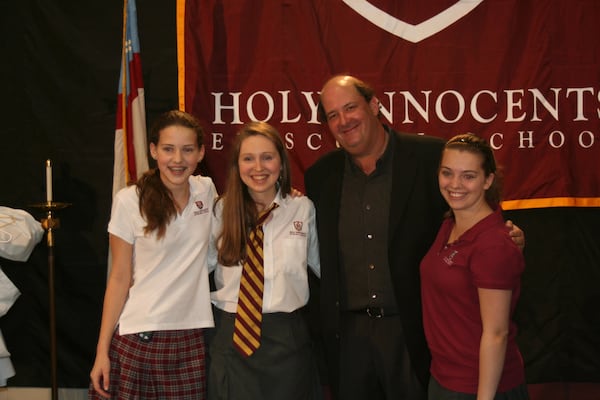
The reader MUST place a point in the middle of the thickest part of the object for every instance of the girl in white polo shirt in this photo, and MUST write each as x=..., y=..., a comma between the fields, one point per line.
x=157, y=301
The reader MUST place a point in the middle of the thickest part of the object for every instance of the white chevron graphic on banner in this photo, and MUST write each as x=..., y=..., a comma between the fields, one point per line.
x=406, y=31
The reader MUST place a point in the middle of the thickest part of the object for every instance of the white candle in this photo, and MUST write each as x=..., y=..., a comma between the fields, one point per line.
x=48, y=181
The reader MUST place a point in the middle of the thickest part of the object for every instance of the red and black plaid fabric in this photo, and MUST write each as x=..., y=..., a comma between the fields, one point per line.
x=171, y=365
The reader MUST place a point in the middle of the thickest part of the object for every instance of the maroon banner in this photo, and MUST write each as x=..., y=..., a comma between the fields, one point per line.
x=524, y=74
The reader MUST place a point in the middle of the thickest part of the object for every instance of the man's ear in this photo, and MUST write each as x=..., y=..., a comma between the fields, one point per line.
x=374, y=105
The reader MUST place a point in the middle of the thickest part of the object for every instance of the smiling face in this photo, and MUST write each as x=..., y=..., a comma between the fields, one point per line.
x=259, y=166
x=351, y=118
x=177, y=154
x=463, y=181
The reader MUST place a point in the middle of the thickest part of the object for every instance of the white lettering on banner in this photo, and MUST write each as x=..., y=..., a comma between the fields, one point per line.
x=387, y=113
x=410, y=99
x=284, y=114
x=557, y=139
x=496, y=140
x=270, y=102
x=580, y=92
x=513, y=105
x=450, y=106
x=314, y=106
x=439, y=110
x=526, y=140
x=270, y=106
x=475, y=112
x=289, y=140
x=586, y=135
x=310, y=141
x=217, y=142
x=235, y=107
x=553, y=110
x=526, y=137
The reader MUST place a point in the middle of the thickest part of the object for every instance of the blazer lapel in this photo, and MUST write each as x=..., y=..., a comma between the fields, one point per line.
x=332, y=199
x=403, y=180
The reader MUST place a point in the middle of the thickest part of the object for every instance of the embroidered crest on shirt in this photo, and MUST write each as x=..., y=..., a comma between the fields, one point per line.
x=200, y=206
x=298, y=229
x=448, y=259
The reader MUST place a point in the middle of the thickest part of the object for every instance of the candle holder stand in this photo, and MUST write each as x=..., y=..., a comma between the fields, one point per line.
x=50, y=223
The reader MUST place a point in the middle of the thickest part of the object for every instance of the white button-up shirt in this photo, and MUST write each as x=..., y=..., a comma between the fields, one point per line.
x=290, y=245
x=170, y=287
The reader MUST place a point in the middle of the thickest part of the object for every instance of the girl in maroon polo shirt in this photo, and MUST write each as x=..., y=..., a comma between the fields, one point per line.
x=470, y=281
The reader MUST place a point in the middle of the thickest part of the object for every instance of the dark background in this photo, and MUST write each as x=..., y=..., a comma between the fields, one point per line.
x=59, y=73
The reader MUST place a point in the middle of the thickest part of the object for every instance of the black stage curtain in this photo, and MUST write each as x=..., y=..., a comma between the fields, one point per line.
x=60, y=69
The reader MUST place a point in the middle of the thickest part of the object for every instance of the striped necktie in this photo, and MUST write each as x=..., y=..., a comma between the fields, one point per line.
x=247, y=326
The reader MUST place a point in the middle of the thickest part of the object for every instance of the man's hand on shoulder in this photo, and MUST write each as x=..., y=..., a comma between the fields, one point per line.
x=516, y=234
x=296, y=193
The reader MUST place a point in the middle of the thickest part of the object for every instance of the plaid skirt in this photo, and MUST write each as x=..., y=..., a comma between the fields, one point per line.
x=162, y=365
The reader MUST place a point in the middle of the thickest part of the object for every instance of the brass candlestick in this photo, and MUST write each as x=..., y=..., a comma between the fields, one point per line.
x=51, y=223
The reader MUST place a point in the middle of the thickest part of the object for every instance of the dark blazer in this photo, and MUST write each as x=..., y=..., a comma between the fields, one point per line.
x=417, y=209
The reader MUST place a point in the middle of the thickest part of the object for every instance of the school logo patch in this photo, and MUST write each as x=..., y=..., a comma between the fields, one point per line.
x=201, y=210
x=298, y=225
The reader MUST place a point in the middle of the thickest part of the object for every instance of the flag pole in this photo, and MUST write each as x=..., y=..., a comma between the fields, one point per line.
x=124, y=87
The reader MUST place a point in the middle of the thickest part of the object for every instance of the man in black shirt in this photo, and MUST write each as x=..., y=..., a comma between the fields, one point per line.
x=378, y=210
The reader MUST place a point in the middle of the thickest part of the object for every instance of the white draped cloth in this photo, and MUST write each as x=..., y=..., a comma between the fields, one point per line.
x=8, y=296
x=19, y=233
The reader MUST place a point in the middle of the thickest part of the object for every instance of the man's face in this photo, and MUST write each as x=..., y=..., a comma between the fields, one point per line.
x=351, y=119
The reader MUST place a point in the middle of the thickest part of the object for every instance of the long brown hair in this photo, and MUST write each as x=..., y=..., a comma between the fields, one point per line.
x=156, y=201
x=239, y=210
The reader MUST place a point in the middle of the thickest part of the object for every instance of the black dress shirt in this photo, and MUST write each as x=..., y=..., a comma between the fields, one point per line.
x=363, y=233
